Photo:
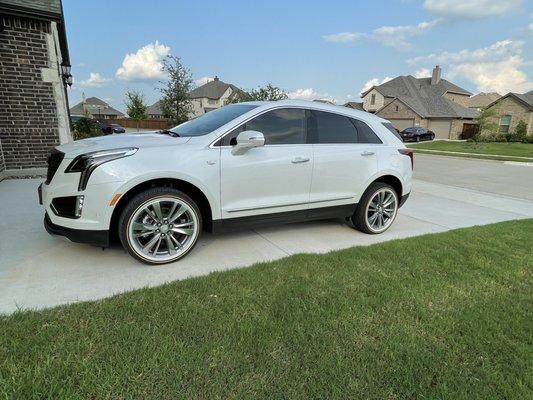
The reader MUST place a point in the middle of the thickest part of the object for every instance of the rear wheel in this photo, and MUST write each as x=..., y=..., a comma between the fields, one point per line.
x=377, y=209
x=160, y=225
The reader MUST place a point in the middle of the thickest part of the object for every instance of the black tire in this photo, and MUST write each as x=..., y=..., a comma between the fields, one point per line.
x=138, y=201
x=359, y=220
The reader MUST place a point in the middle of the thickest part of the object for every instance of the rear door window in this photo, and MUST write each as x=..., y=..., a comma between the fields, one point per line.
x=325, y=127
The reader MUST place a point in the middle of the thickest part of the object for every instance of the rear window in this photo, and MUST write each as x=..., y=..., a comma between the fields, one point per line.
x=391, y=128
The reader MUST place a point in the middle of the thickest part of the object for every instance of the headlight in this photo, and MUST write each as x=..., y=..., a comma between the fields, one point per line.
x=87, y=163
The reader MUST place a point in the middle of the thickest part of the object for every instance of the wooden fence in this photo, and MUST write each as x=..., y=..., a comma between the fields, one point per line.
x=154, y=124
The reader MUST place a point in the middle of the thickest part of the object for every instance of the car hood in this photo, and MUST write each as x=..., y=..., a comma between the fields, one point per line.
x=139, y=140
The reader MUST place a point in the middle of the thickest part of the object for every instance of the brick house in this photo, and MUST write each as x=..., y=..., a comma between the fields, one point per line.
x=96, y=108
x=210, y=96
x=511, y=109
x=482, y=100
x=433, y=103
x=34, y=73
x=154, y=111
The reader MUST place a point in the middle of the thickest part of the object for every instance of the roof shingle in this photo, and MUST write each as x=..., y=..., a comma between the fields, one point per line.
x=426, y=99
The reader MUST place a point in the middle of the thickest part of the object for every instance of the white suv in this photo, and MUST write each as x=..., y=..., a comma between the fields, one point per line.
x=239, y=166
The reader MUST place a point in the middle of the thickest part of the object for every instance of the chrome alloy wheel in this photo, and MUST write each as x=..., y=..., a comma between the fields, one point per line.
x=381, y=210
x=163, y=229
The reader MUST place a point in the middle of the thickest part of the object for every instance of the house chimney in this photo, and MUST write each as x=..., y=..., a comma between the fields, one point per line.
x=435, y=76
x=216, y=78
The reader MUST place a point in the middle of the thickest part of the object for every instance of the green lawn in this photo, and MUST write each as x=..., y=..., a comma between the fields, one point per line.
x=444, y=316
x=487, y=150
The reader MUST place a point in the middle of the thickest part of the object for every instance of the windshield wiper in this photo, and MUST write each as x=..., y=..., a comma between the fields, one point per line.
x=169, y=132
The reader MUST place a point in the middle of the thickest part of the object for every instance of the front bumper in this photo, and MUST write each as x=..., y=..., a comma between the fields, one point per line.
x=94, y=237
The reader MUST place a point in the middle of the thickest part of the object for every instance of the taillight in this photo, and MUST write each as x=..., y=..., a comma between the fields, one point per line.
x=408, y=152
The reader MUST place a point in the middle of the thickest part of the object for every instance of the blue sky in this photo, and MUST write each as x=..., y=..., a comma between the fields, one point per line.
x=311, y=49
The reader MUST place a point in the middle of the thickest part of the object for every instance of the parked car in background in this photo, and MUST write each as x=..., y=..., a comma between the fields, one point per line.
x=109, y=129
x=416, y=134
x=238, y=166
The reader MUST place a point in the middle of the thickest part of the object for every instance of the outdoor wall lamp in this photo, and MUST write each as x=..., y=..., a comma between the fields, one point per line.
x=67, y=76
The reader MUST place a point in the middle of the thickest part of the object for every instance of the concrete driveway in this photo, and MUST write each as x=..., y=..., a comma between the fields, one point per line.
x=38, y=270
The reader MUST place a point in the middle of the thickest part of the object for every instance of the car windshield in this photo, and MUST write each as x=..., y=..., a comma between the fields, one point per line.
x=212, y=120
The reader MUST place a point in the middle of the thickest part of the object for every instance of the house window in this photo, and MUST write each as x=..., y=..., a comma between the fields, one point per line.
x=505, y=122
x=397, y=108
x=373, y=99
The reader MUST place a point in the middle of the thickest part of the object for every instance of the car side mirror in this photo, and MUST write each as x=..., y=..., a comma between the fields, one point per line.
x=247, y=140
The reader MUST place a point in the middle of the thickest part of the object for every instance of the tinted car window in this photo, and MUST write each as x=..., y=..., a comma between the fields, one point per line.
x=325, y=127
x=212, y=120
x=231, y=138
x=364, y=133
x=283, y=126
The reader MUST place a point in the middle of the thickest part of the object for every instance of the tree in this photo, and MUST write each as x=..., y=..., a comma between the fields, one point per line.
x=266, y=93
x=521, y=131
x=175, y=103
x=135, y=106
x=485, y=122
x=86, y=128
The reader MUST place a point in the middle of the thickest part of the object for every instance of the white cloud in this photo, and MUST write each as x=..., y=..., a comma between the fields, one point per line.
x=530, y=27
x=344, y=37
x=374, y=82
x=422, y=73
x=203, y=80
x=395, y=36
x=146, y=63
x=472, y=8
x=497, y=67
x=94, y=80
x=499, y=76
x=310, y=94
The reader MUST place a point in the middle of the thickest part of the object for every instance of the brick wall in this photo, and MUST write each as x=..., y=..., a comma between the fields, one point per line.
x=517, y=111
x=398, y=110
x=28, y=122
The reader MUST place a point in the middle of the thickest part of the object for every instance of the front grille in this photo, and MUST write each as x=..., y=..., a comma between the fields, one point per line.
x=54, y=159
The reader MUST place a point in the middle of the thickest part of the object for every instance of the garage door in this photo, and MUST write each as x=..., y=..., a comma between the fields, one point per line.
x=441, y=127
x=401, y=124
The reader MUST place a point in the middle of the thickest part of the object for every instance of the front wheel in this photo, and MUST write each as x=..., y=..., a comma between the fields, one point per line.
x=160, y=225
x=377, y=209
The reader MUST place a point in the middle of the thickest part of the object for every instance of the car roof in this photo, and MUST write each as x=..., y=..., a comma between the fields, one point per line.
x=315, y=105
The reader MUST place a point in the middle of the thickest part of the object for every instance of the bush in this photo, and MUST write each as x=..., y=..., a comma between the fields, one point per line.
x=85, y=128
x=520, y=133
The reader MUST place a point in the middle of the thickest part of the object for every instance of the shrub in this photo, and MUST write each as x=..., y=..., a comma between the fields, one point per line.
x=520, y=133
x=85, y=128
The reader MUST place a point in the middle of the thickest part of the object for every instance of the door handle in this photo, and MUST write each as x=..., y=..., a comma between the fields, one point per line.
x=299, y=160
x=367, y=153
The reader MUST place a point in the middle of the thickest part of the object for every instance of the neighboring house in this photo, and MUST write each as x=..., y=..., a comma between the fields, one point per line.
x=212, y=95
x=355, y=105
x=511, y=109
x=96, y=108
x=481, y=100
x=154, y=111
x=433, y=103
x=34, y=74
x=325, y=101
